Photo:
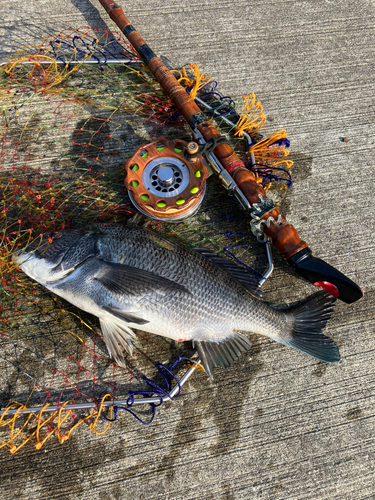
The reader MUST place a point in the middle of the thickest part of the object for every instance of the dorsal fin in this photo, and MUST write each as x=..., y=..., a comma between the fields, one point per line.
x=241, y=274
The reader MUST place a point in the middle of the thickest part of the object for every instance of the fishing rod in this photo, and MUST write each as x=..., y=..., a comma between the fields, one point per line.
x=231, y=170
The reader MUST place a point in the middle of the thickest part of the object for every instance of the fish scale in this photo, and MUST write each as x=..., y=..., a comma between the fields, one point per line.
x=131, y=277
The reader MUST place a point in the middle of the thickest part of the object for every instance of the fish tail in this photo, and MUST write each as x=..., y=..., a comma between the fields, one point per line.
x=309, y=318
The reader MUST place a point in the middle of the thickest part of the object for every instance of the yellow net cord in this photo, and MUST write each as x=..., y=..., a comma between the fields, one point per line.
x=268, y=155
x=197, y=84
x=252, y=118
x=56, y=72
x=196, y=366
x=33, y=425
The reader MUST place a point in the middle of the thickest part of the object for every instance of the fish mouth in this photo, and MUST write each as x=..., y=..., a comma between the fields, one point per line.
x=39, y=268
x=30, y=252
x=20, y=257
x=36, y=251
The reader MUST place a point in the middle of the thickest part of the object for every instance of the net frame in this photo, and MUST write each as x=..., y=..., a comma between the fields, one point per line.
x=158, y=112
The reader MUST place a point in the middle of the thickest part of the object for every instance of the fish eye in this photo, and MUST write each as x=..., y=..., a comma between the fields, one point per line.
x=54, y=235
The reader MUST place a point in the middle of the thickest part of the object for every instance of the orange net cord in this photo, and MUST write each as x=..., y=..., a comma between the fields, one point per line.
x=41, y=422
x=271, y=155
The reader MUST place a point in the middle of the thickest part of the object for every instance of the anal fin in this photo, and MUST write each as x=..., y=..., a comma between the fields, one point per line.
x=222, y=354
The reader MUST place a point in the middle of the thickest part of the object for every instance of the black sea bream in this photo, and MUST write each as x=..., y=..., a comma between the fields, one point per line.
x=130, y=277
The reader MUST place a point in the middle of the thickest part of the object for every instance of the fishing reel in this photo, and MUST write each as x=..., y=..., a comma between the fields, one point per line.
x=163, y=182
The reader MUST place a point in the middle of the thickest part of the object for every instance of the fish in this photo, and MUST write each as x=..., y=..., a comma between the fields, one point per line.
x=133, y=278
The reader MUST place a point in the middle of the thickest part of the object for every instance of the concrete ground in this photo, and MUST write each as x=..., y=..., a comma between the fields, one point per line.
x=279, y=425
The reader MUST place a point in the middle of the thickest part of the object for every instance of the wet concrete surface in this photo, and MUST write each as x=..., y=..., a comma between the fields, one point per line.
x=277, y=425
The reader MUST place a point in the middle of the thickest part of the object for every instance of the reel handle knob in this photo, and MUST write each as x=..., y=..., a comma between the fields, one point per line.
x=193, y=148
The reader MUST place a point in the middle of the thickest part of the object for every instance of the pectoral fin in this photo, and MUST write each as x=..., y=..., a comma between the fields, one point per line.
x=124, y=316
x=222, y=354
x=128, y=280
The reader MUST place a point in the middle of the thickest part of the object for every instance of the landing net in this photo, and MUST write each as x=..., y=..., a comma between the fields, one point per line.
x=73, y=110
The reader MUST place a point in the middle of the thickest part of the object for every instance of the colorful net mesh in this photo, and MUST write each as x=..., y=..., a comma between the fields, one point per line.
x=73, y=109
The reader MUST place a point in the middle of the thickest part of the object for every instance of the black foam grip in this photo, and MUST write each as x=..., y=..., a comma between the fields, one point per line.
x=325, y=276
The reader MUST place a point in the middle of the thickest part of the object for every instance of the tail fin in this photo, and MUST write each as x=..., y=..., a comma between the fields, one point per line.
x=310, y=317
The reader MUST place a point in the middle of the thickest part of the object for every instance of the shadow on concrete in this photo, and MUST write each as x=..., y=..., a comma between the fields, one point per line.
x=91, y=14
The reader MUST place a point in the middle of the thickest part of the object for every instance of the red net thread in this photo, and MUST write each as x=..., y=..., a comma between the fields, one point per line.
x=64, y=137
x=66, y=131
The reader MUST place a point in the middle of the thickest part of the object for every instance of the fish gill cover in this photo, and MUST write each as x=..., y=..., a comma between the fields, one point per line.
x=73, y=110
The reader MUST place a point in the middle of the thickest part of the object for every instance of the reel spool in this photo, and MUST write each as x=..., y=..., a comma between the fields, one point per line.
x=162, y=183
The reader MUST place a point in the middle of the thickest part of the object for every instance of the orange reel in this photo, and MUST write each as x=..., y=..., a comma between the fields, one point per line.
x=162, y=183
